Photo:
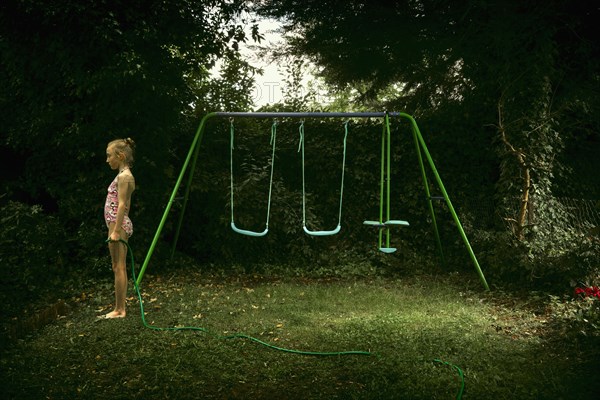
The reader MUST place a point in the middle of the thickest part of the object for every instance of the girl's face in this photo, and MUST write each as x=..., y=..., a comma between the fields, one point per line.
x=113, y=158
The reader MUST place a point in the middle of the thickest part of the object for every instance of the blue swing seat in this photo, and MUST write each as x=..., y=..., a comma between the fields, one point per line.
x=386, y=224
x=396, y=222
x=322, y=233
x=247, y=232
x=375, y=224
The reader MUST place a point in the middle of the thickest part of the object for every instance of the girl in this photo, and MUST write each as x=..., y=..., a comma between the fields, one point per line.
x=119, y=156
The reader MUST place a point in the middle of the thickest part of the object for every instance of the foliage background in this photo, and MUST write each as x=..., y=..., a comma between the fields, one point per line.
x=487, y=83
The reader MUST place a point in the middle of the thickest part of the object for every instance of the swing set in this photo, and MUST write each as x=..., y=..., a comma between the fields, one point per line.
x=383, y=223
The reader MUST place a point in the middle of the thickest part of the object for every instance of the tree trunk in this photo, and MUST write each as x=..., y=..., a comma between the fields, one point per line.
x=520, y=223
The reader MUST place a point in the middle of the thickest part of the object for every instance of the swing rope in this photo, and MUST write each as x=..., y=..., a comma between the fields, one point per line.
x=231, y=147
x=301, y=148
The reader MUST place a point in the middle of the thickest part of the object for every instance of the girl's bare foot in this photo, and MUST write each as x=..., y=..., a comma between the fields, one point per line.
x=115, y=314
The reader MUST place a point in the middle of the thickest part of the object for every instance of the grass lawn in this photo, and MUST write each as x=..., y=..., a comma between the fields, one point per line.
x=413, y=336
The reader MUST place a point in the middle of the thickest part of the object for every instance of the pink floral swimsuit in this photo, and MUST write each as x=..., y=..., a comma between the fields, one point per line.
x=110, y=208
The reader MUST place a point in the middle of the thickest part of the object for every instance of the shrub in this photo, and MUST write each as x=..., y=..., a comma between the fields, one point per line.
x=580, y=316
x=32, y=250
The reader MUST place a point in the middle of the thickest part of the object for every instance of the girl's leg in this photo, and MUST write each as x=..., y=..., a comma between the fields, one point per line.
x=118, y=254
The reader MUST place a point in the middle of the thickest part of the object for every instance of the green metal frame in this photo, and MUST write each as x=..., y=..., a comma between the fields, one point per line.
x=421, y=149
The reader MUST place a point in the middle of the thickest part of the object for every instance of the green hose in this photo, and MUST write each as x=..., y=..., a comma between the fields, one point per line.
x=253, y=339
x=239, y=336
x=460, y=375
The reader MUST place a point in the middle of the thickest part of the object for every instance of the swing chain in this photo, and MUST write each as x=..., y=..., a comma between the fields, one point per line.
x=273, y=130
x=301, y=131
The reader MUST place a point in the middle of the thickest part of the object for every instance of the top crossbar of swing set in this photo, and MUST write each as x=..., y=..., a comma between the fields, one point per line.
x=423, y=156
x=306, y=114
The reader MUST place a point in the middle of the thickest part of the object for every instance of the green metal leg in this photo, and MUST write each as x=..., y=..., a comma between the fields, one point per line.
x=428, y=197
x=423, y=147
x=193, y=150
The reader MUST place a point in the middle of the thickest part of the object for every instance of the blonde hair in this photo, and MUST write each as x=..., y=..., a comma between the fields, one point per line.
x=125, y=147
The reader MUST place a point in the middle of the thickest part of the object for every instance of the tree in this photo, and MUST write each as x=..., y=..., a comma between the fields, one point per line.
x=515, y=71
x=77, y=74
